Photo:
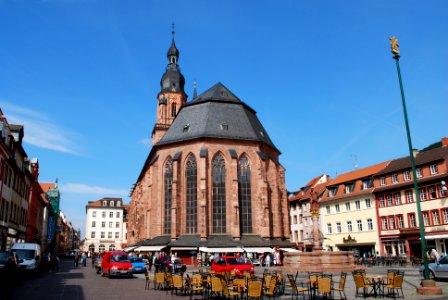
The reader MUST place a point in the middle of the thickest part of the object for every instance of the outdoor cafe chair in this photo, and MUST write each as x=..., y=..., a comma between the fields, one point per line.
x=295, y=289
x=361, y=283
x=215, y=286
x=324, y=283
x=226, y=292
x=194, y=285
x=341, y=286
x=394, y=288
x=159, y=282
x=312, y=283
x=254, y=289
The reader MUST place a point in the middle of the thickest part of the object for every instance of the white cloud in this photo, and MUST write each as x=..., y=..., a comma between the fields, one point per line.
x=39, y=130
x=80, y=188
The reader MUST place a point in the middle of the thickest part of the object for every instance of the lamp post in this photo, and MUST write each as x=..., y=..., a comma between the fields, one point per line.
x=396, y=53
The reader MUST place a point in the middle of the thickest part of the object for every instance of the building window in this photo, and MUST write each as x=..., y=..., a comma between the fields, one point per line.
x=111, y=203
x=245, y=195
x=423, y=195
x=103, y=224
x=92, y=235
x=117, y=224
x=117, y=235
x=93, y=224
x=445, y=215
x=389, y=200
x=347, y=206
x=392, y=222
x=337, y=208
x=103, y=235
x=409, y=197
x=407, y=175
x=294, y=220
x=118, y=203
x=381, y=200
x=110, y=224
x=394, y=178
x=118, y=214
x=349, y=188
x=168, y=188
x=109, y=235
x=191, y=194
x=412, y=220
x=329, y=229
x=349, y=226
x=397, y=197
x=400, y=221
x=328, y=209
x=103, y=214
x=382, y=180
x=111, y=214
x=93, y=214
x=432, y=192
x=104, y=203
x=368, y=204
x=442, y=192
x=358, y=204
x=435, y=217
x=367, y=183
x=433, y=169
x=425, y=218
x=219, y=194
x=369, y=224
x=419, y=172
x=332, y=191
x=359, y=225
x=173, y=110
x=384, y=223
x=338, y=227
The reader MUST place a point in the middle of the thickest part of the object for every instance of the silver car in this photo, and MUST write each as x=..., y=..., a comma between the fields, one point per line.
x=437, y=269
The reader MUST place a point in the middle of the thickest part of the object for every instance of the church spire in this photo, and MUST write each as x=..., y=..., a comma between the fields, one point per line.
x=195, y=93
x=173, y=53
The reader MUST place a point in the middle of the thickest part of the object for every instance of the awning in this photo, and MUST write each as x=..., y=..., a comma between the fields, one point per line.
x=436, y=237
x=149, y=248
x=184, y=248
x=258, y=249
x=290, y=250
x=354, y=245
x=130, y=248
x=220, y=250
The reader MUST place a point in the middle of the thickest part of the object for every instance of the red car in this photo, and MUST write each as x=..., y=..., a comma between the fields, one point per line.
x=229, y=263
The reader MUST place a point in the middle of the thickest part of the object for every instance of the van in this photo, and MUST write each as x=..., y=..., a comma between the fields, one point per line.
x=28, y=256
x=116, y=263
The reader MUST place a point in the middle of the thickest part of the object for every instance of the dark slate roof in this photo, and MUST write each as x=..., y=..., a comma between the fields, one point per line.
x=217, y=113
x=156, y=241
x=186, y=241
x=421, y=158
x=254, y=241
x=279, y=242
x=217, y=241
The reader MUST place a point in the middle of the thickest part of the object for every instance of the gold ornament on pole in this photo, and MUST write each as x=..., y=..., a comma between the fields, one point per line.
x=394, y=45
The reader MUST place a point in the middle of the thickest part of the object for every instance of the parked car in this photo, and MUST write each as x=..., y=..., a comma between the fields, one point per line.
x=97, y=263
x=116, y=263
x=138, y=265
x=180, y=267
x=4, y=255
x=28, y=256
x=437, y=269
x=229, y=263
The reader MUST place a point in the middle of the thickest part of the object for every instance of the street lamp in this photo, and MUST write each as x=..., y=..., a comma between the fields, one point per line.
x=394, y=48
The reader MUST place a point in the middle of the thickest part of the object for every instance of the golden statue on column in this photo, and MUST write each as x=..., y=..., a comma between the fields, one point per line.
x=317, y=244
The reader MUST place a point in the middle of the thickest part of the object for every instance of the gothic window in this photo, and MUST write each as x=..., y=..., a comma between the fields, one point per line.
x=191, y=194
x=173, y=110
x=219, y=194
x=244, y=195
x=168, y=184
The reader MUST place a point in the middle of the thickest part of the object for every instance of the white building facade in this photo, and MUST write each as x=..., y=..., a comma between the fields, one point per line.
x=105, y=225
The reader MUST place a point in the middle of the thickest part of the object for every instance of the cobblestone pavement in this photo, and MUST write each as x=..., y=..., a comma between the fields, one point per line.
x=82, y=283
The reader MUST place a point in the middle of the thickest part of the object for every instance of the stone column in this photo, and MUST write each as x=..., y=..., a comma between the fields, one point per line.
x=317, y=244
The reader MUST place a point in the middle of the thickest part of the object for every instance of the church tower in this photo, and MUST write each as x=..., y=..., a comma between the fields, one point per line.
x=172, y=95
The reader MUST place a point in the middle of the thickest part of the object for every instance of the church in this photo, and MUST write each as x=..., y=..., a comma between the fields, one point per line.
x=212, y=181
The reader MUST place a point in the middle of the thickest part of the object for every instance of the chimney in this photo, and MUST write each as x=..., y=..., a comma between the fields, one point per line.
x=415, y=152
x=444, y=141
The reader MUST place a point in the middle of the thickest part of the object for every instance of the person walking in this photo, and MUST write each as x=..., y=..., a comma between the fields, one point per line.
x=76, y=259
x=84, y=259
x=93, y=260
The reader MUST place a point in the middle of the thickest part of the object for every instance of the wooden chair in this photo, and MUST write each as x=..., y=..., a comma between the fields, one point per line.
x=312, y=283
x=394, y=288
x=360, y=283
x=169, y=285
x=324, y=283
x=271, y=290
x=195, y=285
x=295, y=289
x=178, y=284
x=226, y=292
x=159, y=282
x=341, y=287
x=254, y=289
x=215, y=286
x=240, y=285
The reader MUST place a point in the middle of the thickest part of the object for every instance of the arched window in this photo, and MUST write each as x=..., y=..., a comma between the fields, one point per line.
x=244, y=195
x=168, y=180
x=92, y=248
x=112, y=247
x=191, y=194
x=101, y=248
x=173, y=110
x=219, y=194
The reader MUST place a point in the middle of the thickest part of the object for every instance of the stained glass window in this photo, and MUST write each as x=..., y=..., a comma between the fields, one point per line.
x=219, y=194
x=191, y=195
x=244, y=195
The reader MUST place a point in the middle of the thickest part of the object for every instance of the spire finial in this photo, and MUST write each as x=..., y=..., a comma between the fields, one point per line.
x=195, y=94
x=173, y=27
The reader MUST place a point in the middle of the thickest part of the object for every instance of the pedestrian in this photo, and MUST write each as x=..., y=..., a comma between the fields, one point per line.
x=76, y=259
x=84, y=259
x=93, y=260
x=163, y=261
x=149, y=262
x=9, y=278
x=57, y=262
x=156, y=262
x=267, y=260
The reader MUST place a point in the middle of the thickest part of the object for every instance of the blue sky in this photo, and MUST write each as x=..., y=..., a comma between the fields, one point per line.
x=83, y=76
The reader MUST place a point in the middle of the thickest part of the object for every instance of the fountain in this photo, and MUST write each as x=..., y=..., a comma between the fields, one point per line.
x=319, y=260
